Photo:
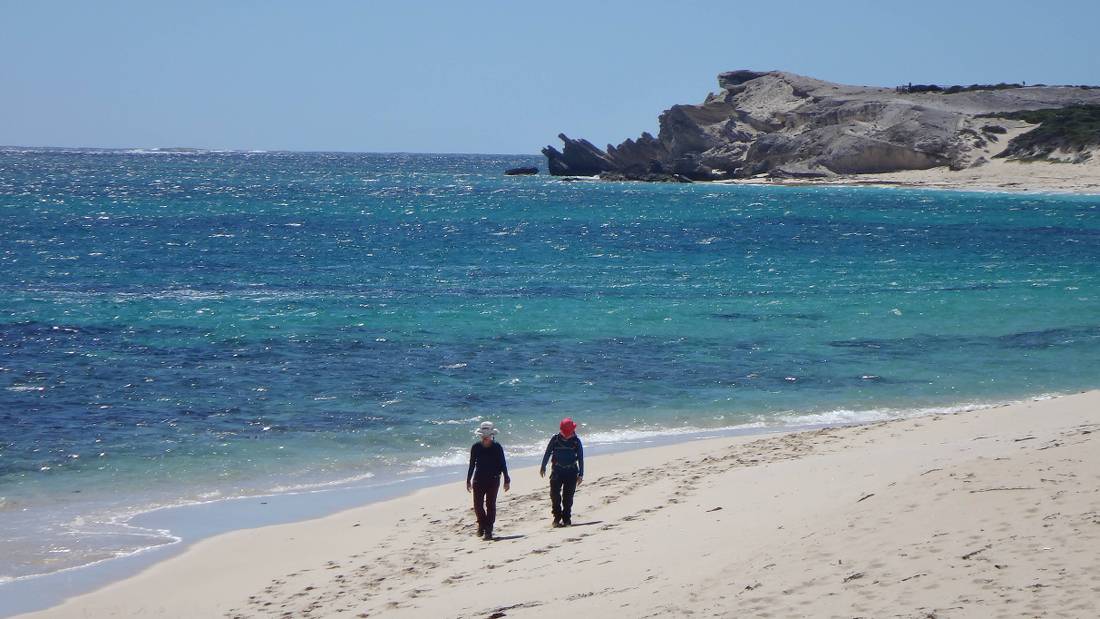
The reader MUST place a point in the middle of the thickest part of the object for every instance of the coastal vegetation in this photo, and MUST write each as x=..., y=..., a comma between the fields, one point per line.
x=1071, y=129
x=950, y=90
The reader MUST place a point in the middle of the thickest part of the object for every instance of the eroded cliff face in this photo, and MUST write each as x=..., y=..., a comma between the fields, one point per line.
x=784, y=124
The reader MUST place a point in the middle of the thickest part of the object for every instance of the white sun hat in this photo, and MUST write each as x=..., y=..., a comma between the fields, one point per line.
x=485, y=429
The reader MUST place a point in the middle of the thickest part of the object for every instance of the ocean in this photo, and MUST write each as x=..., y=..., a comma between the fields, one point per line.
x=181, y=327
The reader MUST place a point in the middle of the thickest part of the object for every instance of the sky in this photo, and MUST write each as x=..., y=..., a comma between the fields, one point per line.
x=476, y=76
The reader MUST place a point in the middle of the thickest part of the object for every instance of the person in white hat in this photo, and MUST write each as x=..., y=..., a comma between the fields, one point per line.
x=487, y=464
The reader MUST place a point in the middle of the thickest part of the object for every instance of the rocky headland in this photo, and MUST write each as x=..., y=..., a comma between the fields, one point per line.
x=778, y=125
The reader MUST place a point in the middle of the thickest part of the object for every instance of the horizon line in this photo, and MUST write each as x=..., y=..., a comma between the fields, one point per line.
x=180, y=150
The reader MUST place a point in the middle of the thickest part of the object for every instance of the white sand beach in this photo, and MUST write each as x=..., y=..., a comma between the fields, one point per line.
x=987, y=513
x=997, y=175
x=1056, y=175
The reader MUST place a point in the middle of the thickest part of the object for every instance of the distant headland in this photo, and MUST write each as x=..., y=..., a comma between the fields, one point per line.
x=778, y=126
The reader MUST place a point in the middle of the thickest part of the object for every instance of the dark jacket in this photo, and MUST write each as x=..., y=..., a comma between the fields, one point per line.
x=487, y=464
x=566, y=454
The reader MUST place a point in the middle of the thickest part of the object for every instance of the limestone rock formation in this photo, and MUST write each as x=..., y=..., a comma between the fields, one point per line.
x=577, y=158
x=788, y=125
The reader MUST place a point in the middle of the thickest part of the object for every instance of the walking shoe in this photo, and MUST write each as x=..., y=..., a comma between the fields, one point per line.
x=557, y=521
x=480, y=531
x=566, y=522
x=488, y=536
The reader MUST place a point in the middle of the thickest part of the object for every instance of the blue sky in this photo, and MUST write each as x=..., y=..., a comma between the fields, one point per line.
x=480, y=75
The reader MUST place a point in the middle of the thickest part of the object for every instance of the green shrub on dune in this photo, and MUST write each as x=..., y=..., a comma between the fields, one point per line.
x=1072, y=129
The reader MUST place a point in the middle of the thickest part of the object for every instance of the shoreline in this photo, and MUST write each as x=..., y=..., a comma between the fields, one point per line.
x=874, y=181
x=191, y=523
x=195, y=557
x=1014, y=188
x=274, y=507
x=996, y=175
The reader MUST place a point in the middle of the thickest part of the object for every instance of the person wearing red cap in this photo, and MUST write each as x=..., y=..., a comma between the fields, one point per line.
x=566, y=455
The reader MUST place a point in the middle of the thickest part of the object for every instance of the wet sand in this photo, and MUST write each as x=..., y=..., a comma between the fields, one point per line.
x=987, y=513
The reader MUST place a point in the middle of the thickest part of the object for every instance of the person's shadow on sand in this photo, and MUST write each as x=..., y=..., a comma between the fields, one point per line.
x=502, y=538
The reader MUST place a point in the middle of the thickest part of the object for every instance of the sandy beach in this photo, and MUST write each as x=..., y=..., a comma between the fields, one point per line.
x=997, y=175
x=1056, y=175
x=986, y=513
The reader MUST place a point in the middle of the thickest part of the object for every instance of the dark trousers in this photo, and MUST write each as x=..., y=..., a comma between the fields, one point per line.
x=563, y=484
x=485, y=502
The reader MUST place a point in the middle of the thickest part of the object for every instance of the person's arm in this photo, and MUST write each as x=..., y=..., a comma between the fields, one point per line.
x=503, y=464
x=504, y=468
x=473, y=460
x=580, y=458
x=546, y=457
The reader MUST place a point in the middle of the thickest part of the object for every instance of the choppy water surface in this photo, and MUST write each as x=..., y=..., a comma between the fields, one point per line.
x=181, y=327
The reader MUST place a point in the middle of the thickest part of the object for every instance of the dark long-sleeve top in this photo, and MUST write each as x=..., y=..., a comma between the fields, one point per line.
x=565, y=453
x=487, y=463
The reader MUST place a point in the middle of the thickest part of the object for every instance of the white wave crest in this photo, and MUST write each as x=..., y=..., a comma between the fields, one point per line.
x=321, y=485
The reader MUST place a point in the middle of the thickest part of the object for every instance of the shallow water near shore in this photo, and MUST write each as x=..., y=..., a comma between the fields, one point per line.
x=196, y=521
x=183, y=328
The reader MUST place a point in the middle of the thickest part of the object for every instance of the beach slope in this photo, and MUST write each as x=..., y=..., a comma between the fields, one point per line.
x=994, y=512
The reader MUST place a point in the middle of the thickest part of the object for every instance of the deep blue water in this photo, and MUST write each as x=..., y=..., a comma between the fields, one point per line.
x=177, y=327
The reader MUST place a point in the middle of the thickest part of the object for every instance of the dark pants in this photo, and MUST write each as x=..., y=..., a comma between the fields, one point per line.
x=485, y=502
x=562, y=486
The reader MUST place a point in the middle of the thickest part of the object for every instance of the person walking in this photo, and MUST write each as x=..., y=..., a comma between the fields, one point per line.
x=566, y=455
x=487, y=464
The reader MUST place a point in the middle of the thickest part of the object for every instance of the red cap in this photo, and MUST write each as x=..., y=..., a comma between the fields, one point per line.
x=567, y=427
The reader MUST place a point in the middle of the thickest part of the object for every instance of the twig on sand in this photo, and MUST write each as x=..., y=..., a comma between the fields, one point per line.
x=499, y=612
x=1003, y=488
x=1026, y=438
x=714, y=509
x=855, y=576
x=972, y=553
x=864, y=497
x=917, y=575
x=929, y=471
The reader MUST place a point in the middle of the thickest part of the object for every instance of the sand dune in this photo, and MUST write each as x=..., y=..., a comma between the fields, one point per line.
x=987, y=513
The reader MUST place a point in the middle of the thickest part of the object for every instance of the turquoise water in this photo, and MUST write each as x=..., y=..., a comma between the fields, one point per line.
x=195, y=326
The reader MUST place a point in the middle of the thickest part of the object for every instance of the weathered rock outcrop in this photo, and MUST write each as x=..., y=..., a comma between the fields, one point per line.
x=790, y=125
x=578, y=158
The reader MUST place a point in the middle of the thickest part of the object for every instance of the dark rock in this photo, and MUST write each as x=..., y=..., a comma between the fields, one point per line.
x=690, y=166
x=645, y=153
x=521, y=171
x=733, y=79
x=577, y=158
x=797, y=173
x=648, y=177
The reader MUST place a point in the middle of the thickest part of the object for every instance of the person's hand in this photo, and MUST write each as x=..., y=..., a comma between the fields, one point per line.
x=469, y=488
x=542, y=472
x=507, y=485
x=579, y=480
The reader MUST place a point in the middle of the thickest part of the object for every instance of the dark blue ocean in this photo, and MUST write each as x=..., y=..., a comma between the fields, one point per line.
x=180, y=327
